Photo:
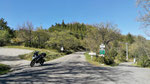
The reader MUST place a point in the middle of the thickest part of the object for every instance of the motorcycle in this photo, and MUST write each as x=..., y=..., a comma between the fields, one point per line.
x=37, y=58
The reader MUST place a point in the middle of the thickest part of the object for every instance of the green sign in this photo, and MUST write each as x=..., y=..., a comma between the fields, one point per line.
x=102, y=52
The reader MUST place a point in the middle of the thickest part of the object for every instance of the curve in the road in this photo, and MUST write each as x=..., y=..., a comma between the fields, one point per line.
x=73, y=69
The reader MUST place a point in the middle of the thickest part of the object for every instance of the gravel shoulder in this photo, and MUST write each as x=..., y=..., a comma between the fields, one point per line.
x=73, y=69
x=10, y=57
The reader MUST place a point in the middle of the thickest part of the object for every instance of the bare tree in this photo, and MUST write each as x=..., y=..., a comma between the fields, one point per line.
x=92, y=39
x=108, y=32
x=144, y=17
x=25, y=32
x=101, y=33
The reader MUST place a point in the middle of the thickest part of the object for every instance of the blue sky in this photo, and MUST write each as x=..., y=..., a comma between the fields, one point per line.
x=48, y=12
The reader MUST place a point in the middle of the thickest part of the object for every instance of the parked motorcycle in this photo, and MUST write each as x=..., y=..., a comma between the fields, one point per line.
x=38, y=58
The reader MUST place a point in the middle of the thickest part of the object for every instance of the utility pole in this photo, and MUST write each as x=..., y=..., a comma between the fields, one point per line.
x=127, y=51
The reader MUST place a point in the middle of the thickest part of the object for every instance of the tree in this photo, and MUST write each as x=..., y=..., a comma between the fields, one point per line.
x=76, y=29
x=62, y=39
x=144, y=17
x=140, y=50
x=92, y=39
x=4, y=26
x=4, y=37
x=108, y=32
x=129, y=38
x=25, y=33
x=40, y=36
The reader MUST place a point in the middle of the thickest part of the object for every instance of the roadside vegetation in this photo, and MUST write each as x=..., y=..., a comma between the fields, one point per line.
x=77, y=37
x=96, y=61
x=4, y=69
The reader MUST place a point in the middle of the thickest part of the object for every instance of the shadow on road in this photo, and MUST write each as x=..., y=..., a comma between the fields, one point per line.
x=9, y=58
x=70, y=73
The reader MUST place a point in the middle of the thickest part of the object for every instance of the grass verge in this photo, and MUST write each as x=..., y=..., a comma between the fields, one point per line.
x=136, y=65
x=88, y=58
x=4, y=69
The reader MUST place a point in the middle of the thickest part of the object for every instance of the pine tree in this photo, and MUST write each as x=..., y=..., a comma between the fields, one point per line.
x=129, y=38
x=4, y=26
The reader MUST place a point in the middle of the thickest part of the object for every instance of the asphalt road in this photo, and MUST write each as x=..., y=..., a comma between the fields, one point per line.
x=73, y=69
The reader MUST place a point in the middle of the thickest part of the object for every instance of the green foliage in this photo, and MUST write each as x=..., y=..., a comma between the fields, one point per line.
x=141, y=51
x=25, y=34
x=31, y=38
x=143, y=61
x=109, y=60
x=112, y=53
x=4, y=69
x=4, y=37
x=3, y=26
x=121, y=57
x=5, y=33
x=100, y=60
x=109, y=57
x=129, y=38
x=40, y=36
x=94, y=61
x=76, y=29
x=62, y=39
x=92, y=39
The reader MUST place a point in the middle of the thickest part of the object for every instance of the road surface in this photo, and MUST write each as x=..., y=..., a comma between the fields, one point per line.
x=73, y=69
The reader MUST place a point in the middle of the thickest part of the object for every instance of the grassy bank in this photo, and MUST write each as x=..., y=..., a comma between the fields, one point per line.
x=4, y=69
x=50, y=53
x=88, y=58
x=95, y=63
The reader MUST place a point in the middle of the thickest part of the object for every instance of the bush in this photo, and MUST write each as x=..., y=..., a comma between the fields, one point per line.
x=143, y=61
x=4, y=37
x=112, y=53
x=108, y=60
x=99, y=59
x=4, y=68
x=121, y=56
x=16, y=41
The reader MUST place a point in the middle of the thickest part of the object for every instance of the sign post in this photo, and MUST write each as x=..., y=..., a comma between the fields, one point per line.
x=92, y=54
x=102, y=50
x=127, y=51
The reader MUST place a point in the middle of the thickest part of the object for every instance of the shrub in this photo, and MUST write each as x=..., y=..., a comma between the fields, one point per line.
x=4, y=37
x=4, y=68
x=99, y=59
x=143, y=61
x=109, y=60
x=121, y=56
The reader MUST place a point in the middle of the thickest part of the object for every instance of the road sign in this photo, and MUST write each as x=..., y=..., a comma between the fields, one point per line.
x=102, y=52
x=92, y=53
x=62, y=49
x=102, y=46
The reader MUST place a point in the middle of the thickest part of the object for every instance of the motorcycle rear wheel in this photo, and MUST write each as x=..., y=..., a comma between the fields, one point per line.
x=42, y=62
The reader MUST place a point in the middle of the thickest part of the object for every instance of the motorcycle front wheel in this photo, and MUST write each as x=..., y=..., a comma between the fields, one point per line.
x=32, y=63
